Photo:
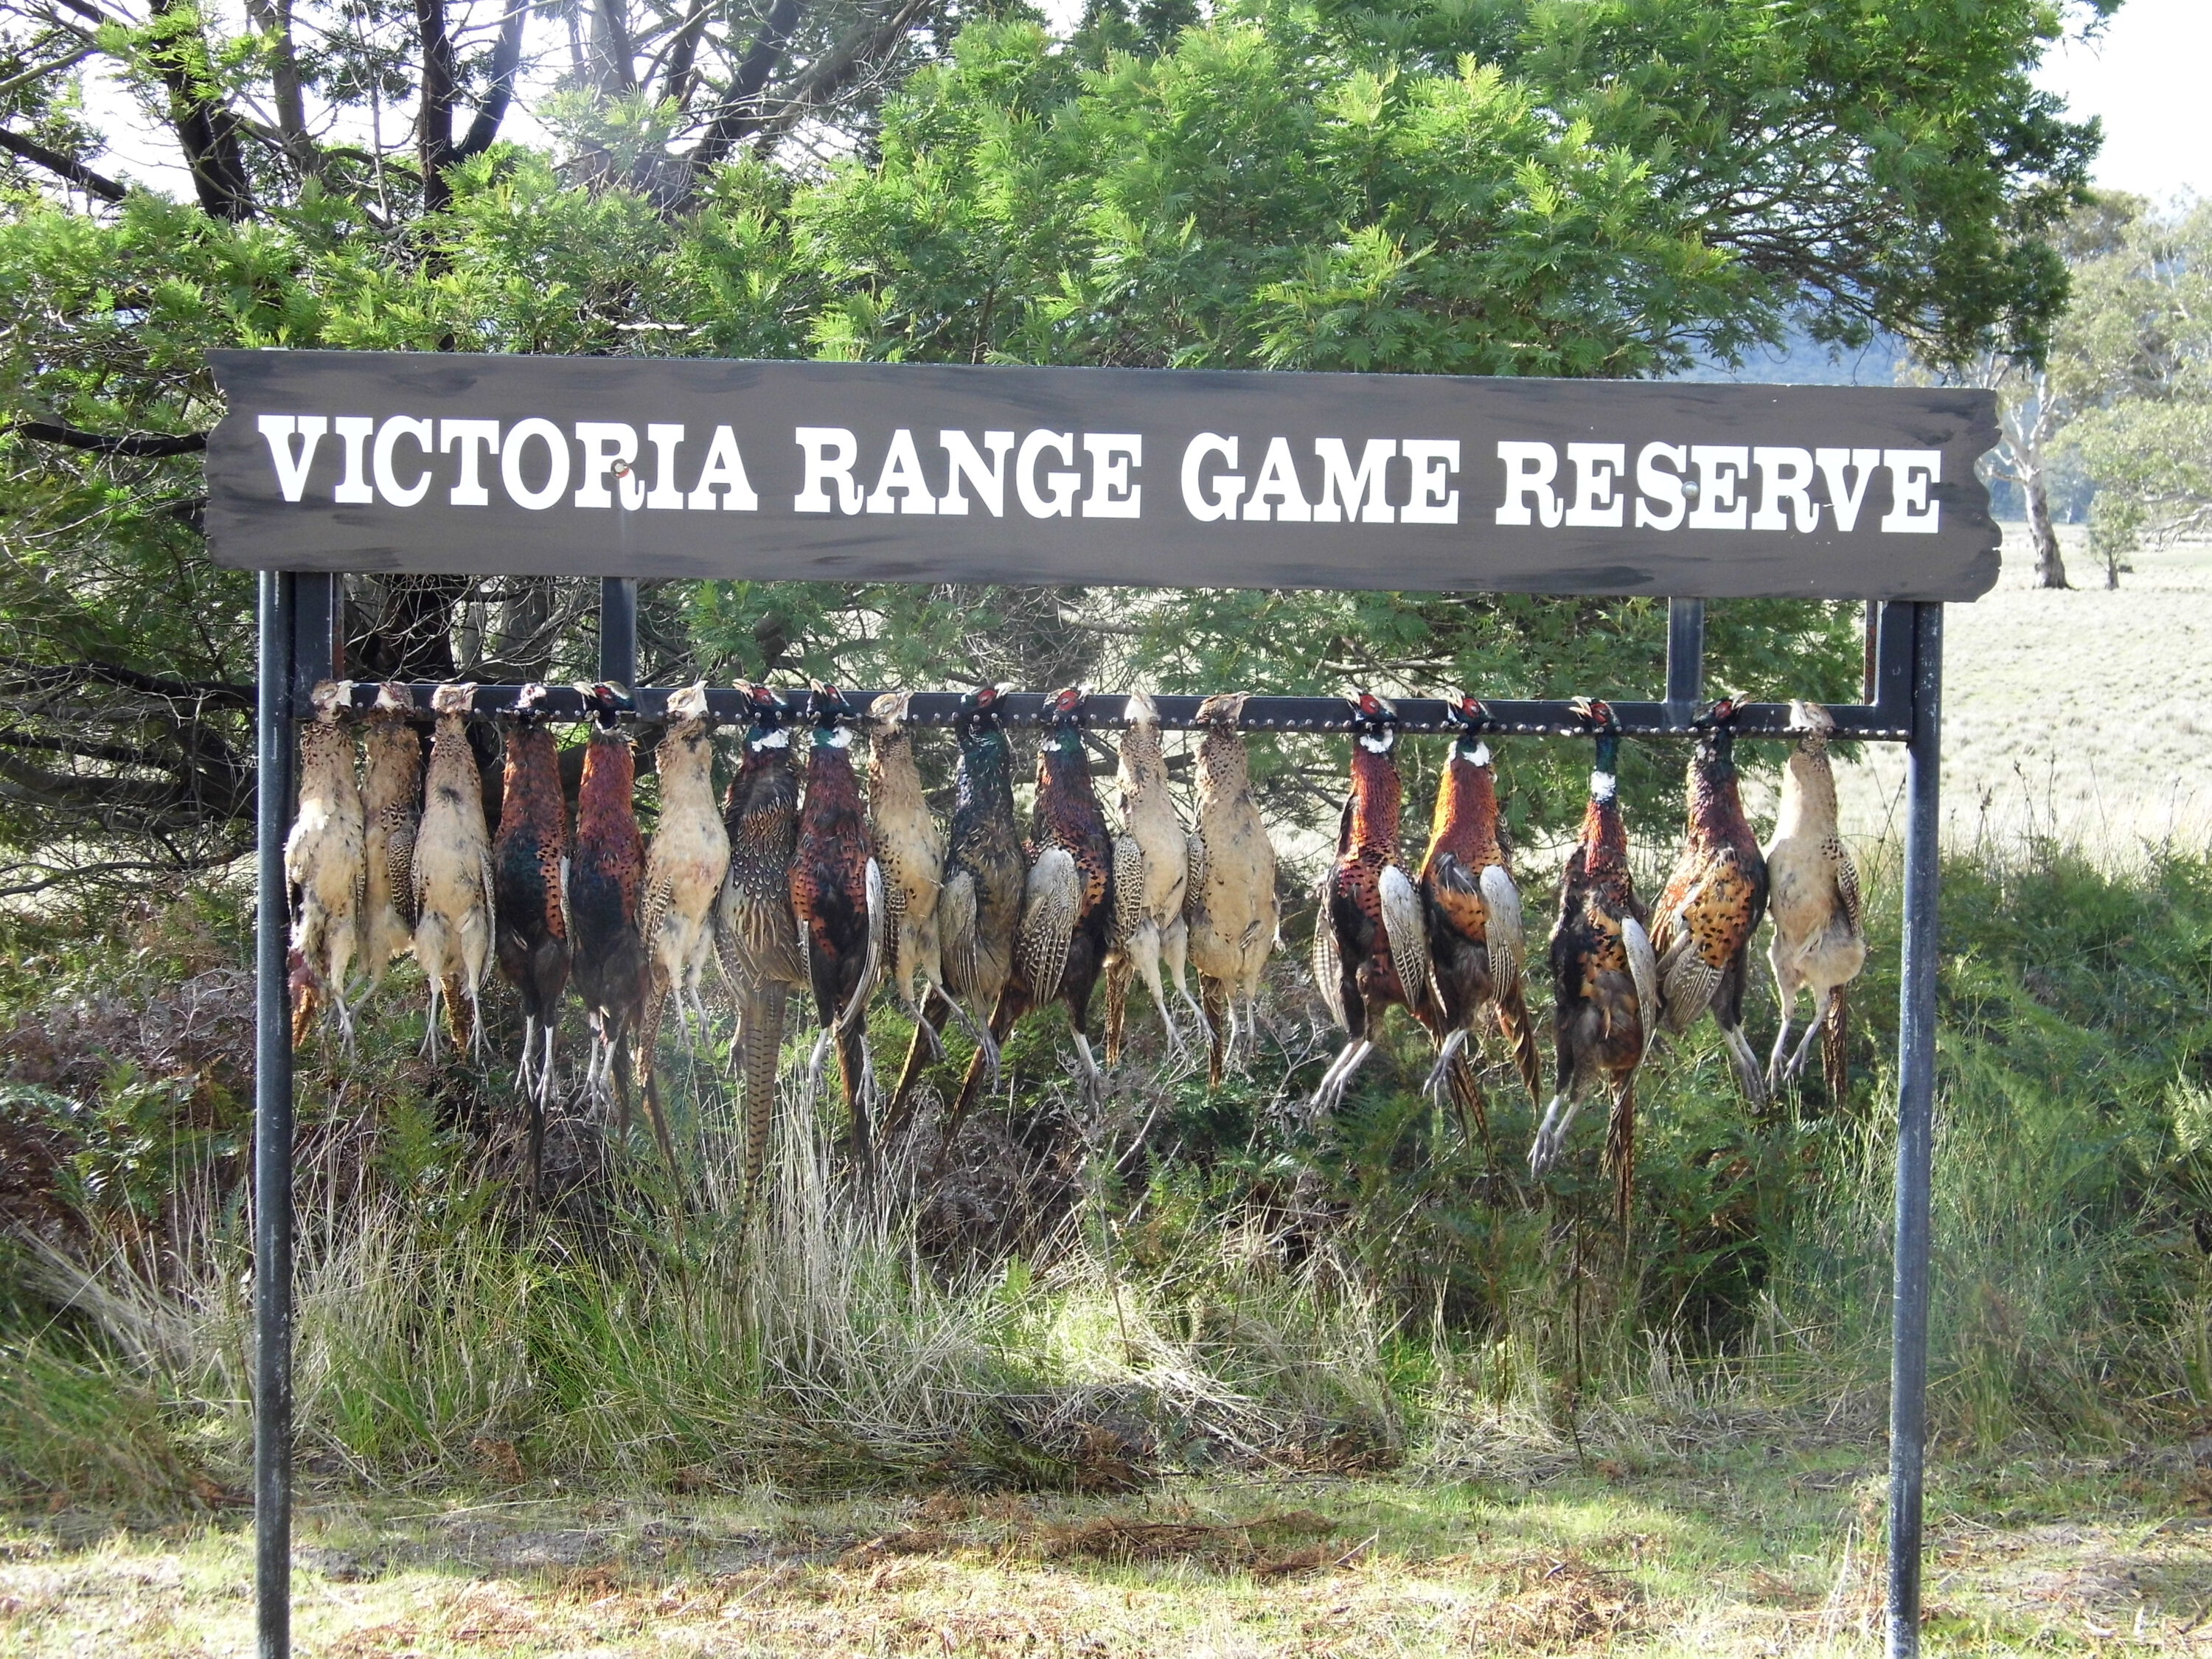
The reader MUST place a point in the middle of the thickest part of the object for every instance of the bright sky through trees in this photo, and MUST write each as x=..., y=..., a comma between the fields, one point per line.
x=2144, y=76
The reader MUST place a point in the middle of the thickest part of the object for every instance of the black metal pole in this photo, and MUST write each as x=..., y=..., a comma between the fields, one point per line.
x=272, y=1136
x=1916, y=1106
x=618, y=631
x=1685, y=658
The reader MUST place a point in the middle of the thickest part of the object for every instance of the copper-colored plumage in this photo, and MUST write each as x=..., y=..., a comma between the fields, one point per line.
x=529, y=874
x=606, y=875
x=1477, y=949
x=837, y=897
x=1604, y=974
x=1371, y=947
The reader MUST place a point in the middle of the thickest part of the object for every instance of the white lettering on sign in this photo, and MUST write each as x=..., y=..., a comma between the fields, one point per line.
x=1435, y=501
x=474, y=439
x=380, y=459
x=989, y=483
x=1112, y=456
x=1910, y=472
x=280, y=430
x=1346, y=493
x=512, y=453
x=725, y=471
x=1057, y=499
x=608, y=445
x=1663, y=486
x=830, y=452
x=901, y=473
x=1654, y=484
x=1275, y=493
x=1529, y=470
x=1225, y=487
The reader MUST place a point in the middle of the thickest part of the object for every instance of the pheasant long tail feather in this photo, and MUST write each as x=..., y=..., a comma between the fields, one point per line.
x=459, y=1025
x=1467, y=1100
x=1835, y=1052
x=1620, y=1148
x=1120, y=970
x=1520, y=1036
x=855, y=1078
x=761, y=1048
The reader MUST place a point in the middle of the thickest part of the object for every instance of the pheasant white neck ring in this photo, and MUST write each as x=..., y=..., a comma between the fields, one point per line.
x=1377, y=743
x=1603, y=786
x=777, y=738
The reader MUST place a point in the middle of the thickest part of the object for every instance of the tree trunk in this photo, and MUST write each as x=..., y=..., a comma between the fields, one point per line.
x=2049, y=567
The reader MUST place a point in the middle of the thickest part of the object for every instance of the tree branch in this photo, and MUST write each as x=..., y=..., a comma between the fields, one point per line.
x=66, y=167
x=141, y=446
x=205, y=127
x=506, y=62
x=739, y=111
x=434, y=119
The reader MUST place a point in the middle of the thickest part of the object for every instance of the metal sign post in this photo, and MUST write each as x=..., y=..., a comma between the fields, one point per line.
x=330, y=462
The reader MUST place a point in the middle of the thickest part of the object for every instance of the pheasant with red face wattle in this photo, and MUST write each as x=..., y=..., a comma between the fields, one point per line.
x=1713, y=903
x=530, y=876
x=837, y=896
x=1066, y=925
x=1605, y=977
x=1371, y=947
x=1477, y=946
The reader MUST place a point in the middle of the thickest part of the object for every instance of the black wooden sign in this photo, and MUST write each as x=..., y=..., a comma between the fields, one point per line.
x=659, y=467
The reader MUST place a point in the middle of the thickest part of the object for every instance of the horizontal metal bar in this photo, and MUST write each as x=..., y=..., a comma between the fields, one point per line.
x=1108, y=709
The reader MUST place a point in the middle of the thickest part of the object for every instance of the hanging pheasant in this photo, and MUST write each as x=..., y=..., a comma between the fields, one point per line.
x=1152, y=870
x=1476, y=947
x=391, y=805
x=1067, y=900
x=985, y=868
x=453, y=895
x=756, y=933
x=1819, y=939
x=606, y=876
x=323, y=864
x=1230, y=908
x=686, y=865
x=529, y=879
x=1713, y=903
x=910, y=848
x=1604, y=974
x=837, y=894
x=1370, y=948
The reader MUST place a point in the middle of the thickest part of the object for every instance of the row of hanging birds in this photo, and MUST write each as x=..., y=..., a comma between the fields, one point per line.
x=798, y=881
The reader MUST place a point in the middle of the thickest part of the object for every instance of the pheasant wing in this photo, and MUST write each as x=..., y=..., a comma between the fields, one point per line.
x=956, y=930
x=1327, y=964
x=871, y=967
x=1643, y=971
x=1129, y=888
x=1050, y=905
x=1503, y=933
x=1193, y=892
x=1847, y=886
x=1406, y=934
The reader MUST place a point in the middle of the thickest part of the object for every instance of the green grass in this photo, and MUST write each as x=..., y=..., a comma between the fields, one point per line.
x=1726, y=1541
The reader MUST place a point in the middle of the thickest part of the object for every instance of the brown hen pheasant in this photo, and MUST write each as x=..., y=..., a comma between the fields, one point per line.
x=1713, y=903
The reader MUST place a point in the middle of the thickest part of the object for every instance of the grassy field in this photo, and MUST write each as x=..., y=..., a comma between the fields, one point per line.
x=1739, y=1537
x=2084, y=715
